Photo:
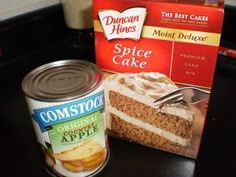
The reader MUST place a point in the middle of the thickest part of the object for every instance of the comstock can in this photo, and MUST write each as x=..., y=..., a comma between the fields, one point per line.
x=66, y=102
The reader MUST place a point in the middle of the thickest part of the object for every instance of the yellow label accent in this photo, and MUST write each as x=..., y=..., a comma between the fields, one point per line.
x=97, y=26
x=188, y=36
x=176, y=35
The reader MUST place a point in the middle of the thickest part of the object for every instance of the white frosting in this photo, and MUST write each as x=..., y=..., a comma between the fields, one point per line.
x=161, y=132
x=145, y=87
x=150, y=85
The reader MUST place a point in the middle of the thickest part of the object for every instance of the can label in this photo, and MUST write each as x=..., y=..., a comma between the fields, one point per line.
x=61, y=113
x=72, y=133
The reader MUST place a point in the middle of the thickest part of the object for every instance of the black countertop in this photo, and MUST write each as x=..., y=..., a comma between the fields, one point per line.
x=21, y=153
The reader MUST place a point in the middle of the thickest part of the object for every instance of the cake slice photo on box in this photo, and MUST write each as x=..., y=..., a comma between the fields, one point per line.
x=131, y=113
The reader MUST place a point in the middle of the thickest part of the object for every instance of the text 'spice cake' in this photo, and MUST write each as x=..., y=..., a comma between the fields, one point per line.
x=149, y=48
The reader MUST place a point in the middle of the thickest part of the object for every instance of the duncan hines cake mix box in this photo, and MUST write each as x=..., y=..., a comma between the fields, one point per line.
x=149, y=49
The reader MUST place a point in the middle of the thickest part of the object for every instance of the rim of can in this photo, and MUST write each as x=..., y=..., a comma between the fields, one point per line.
x=62, y=80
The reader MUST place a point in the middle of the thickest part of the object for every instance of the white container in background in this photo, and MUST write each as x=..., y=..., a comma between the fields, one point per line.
x=78, y=13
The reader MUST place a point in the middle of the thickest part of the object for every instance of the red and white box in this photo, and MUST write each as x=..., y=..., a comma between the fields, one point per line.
x=177, y=39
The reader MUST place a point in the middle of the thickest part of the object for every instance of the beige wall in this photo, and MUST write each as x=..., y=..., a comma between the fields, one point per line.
x=230, y=2
x=11, y=8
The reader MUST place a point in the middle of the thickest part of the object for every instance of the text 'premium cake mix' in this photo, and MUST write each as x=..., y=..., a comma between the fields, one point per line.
x=149, y=49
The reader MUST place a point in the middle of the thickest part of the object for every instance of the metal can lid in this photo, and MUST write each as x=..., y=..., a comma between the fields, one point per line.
x=62, y=80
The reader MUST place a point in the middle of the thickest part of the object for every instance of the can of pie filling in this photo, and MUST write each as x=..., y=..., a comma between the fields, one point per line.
x=66, y=102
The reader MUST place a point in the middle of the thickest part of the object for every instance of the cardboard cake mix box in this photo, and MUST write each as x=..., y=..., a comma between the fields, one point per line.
x=149, y=49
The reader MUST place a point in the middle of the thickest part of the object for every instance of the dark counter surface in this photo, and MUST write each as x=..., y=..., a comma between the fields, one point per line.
x=21, y=154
